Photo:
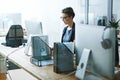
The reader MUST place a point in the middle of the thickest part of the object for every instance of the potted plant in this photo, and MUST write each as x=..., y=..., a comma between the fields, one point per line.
x=115, y=24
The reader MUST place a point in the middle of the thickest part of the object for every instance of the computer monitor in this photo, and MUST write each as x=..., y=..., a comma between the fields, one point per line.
x=101, y=60
x=33, y=28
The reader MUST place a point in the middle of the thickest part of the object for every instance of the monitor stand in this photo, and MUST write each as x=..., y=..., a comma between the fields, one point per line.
x=81, y=68
x=27, y=46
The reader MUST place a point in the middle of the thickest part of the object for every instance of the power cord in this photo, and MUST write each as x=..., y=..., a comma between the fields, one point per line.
x=67, y=75
x=9, y=75
x=76, y=71
x=6, y=60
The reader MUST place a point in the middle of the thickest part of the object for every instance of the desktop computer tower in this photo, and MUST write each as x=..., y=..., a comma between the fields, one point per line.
x=63, y=56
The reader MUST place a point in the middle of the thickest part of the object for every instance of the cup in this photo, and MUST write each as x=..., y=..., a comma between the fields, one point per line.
x=2, y=68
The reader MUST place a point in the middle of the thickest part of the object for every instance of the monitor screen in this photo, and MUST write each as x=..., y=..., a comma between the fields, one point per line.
x=101, y=61
x=33, y=27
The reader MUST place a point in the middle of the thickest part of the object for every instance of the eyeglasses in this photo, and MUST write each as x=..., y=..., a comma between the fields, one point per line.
x=64, y=17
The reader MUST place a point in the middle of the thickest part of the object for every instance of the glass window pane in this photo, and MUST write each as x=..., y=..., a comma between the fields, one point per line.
x=98, y=12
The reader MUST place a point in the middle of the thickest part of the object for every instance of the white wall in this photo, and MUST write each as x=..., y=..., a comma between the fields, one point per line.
x=49, y=12
x=8, y=19
x=46, y=11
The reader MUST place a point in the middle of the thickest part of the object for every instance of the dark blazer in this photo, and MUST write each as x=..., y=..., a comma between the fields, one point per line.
x=72, y=35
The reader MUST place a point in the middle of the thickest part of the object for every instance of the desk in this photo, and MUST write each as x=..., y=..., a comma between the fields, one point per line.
x=19, y=74
x=23, y=61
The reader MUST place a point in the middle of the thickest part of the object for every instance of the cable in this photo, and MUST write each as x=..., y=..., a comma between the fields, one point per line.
x=67, y=75
x=6, y=60
x=76, y=71
x=9, y=75
x=14, y=51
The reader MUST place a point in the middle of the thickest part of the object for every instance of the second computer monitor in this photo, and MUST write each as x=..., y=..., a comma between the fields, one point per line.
x=33, y=27
x=102, y=59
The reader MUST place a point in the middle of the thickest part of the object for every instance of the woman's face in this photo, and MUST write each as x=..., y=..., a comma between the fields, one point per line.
x=66, y=18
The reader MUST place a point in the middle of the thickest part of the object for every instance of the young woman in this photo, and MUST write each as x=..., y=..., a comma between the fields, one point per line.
x=68, y=34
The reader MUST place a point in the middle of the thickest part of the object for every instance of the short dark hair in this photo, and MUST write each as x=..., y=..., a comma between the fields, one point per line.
x=69, y=11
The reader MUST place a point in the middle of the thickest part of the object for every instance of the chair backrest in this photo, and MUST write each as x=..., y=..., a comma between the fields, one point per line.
x=14, y=37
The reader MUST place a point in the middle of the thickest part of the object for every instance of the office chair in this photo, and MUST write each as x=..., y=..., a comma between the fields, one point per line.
x=14, y=37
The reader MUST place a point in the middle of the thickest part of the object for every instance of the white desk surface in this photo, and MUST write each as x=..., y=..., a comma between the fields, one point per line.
x=19, y=74
x=41, y=73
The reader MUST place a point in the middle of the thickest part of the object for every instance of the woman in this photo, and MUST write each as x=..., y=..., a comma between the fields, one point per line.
x=69, y=31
